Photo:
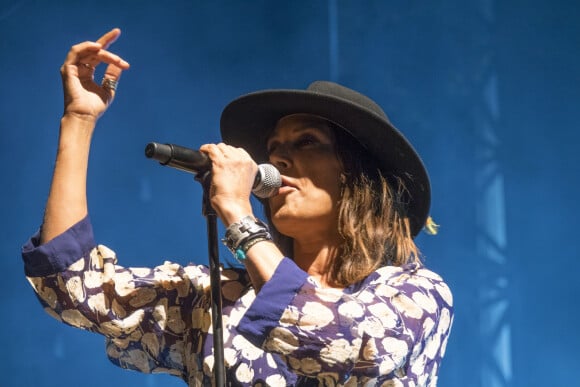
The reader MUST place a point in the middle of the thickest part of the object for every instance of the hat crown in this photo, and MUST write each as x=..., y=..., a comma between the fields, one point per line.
x=338, y=91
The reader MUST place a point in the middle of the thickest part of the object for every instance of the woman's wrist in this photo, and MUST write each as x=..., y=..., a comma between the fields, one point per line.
x=77, y=126
x=243, y=234
x=85, y=120
x=233, y=212
x=75, y=134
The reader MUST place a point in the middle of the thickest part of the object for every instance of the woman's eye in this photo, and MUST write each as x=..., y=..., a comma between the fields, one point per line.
x=305, y=141
x=271, y=149
x=301, y=142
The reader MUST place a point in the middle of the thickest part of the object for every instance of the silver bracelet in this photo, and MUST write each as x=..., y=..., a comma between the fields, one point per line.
x=244, y=230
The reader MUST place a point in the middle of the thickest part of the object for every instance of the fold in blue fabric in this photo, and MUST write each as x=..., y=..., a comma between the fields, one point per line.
x=59, y=253
x=265, y=312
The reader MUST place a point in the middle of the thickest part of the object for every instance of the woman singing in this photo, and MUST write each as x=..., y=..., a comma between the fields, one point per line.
x=331, y=292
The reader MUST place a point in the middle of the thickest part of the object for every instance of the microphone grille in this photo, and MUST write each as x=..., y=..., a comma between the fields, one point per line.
x=269, y=181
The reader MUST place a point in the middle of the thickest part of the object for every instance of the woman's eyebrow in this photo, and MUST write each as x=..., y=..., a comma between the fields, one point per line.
x=302, y=127
x=322, y=126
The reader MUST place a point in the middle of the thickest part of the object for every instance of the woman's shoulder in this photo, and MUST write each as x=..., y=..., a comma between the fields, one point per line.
x=409, y=279
x=412, y=272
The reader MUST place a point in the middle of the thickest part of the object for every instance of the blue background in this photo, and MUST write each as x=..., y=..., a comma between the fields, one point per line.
x=474, y=85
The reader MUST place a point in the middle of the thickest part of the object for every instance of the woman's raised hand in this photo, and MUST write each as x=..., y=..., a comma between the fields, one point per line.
x=83, y=97
x=84, y=102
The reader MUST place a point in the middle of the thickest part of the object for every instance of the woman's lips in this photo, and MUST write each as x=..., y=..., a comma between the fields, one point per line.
x=287, y=181
x=287, y=185
x=285, y=189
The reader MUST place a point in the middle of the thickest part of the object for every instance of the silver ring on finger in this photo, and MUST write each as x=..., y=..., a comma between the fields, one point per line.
x=110, y=84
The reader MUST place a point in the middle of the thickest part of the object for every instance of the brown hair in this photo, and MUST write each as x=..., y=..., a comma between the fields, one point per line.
x=372, y=217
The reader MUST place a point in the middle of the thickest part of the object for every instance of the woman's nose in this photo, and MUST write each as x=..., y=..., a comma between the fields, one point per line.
x=281, y=158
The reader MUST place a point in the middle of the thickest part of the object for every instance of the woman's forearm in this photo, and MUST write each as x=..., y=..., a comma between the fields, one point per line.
x=262, y=260
x=67, y=200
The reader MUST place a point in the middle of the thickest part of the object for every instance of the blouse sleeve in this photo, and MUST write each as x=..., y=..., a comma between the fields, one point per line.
x=143, y=312
x=394, y=326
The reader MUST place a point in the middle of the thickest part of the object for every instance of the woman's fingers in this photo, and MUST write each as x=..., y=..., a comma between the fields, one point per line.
x=111, y=79
x=233, y=174
x=82, y=94
x=231, y=160
x=87, y=55
x=109, y=38
x=84, y=57
x=105, y=56
x=78, y=52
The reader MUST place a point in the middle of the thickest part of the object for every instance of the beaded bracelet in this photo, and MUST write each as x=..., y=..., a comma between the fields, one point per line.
x=241, y=252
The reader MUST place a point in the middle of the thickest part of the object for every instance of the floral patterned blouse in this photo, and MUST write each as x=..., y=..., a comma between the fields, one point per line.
x=389, y=330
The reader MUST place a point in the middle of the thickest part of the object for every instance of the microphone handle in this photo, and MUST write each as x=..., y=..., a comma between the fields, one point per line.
x=267, y=179
x=178, y=157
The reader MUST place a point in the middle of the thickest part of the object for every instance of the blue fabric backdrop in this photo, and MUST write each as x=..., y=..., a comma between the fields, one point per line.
x=424, y=62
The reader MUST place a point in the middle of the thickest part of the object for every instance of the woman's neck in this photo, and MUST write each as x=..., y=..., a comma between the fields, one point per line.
x=316, y=257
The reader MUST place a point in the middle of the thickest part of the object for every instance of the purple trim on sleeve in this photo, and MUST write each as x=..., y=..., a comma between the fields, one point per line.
x=265, y=312
x=59, y=253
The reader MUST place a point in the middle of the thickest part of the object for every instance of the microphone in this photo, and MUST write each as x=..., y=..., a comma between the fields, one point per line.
x=267, y=180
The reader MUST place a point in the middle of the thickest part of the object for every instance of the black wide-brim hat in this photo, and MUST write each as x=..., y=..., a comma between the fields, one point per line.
x=247, y=122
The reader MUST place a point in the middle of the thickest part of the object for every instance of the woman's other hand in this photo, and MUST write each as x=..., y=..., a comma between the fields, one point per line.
x=83, y=97
x=84, y=102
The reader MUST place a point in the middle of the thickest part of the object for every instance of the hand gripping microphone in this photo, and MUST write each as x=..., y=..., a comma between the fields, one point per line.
x=267, y=180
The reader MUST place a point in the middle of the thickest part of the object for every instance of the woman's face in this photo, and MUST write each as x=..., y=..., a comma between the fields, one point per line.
x=302, y=147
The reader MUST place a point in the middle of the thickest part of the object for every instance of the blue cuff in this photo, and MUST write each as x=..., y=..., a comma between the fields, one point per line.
x=265, y=312
x=59, y=253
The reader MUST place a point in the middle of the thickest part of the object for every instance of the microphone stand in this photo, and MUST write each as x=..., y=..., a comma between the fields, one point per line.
x=215, y=280
x=195, y=162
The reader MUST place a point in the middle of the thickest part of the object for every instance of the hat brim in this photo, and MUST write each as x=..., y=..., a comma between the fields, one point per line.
x=247, y=122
